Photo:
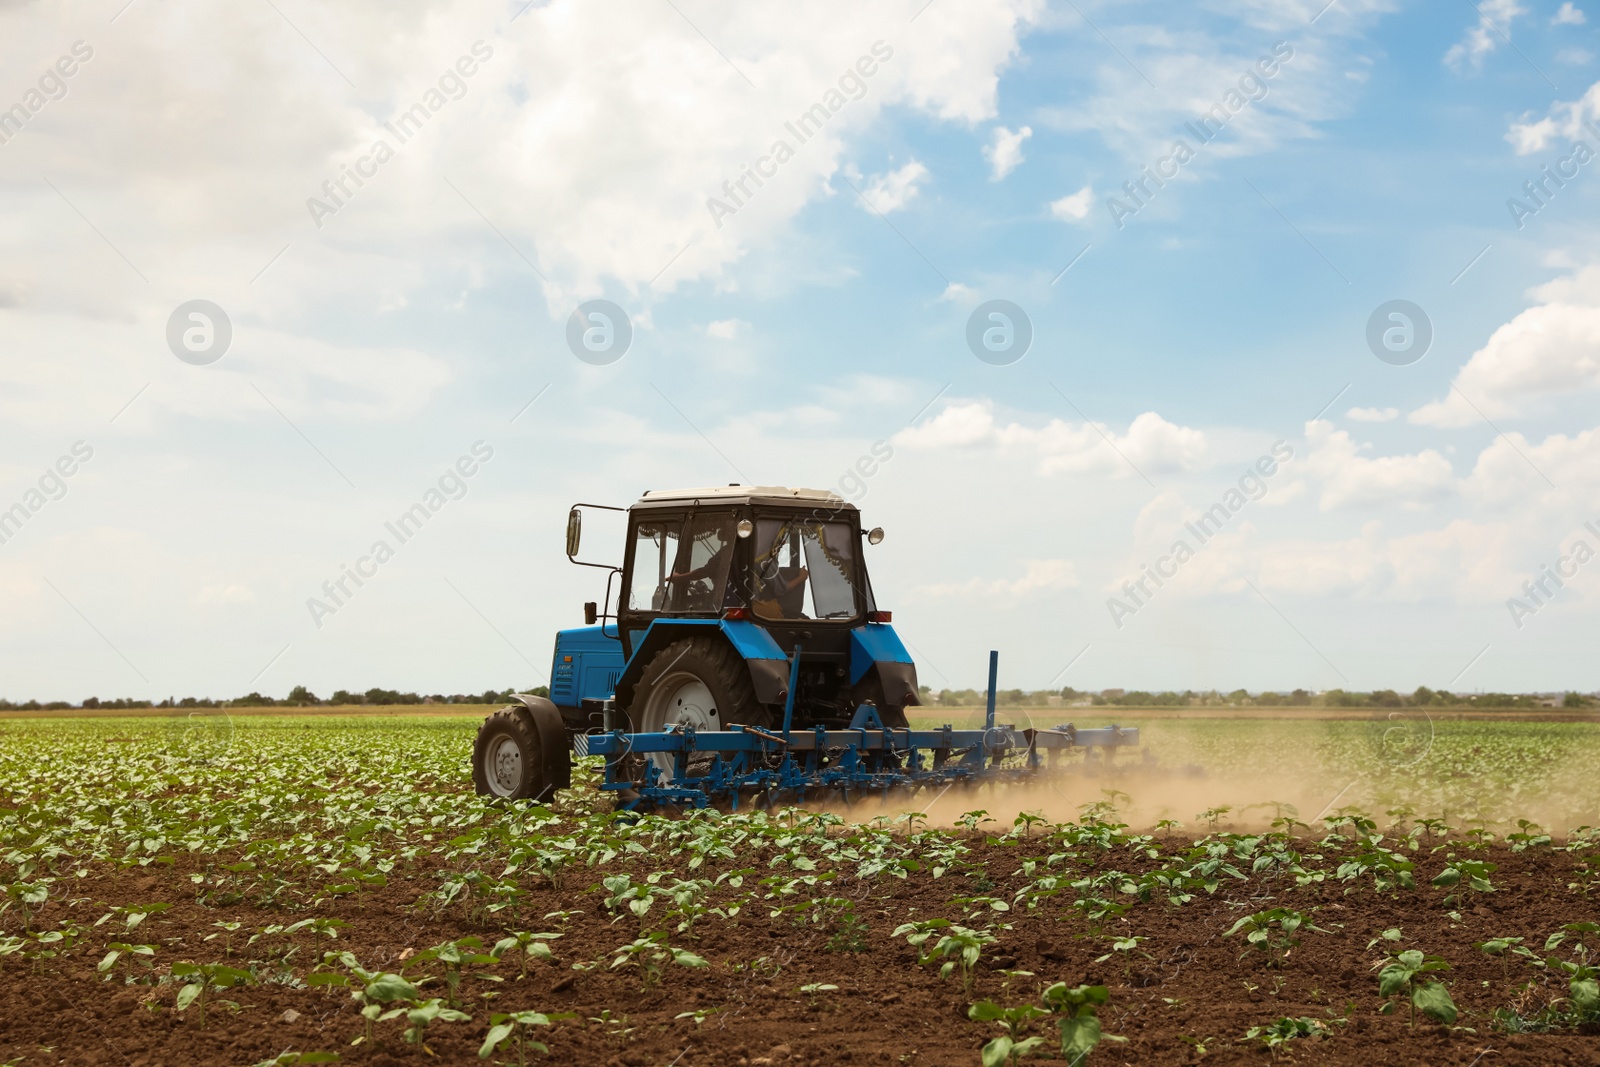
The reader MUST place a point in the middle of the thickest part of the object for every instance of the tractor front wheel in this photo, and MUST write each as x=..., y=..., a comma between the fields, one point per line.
x=521, y=753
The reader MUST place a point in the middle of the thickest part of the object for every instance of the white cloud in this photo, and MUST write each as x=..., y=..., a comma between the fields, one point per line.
x=727, y=329
x=894, y=189
x=1513, y=469
x=1373, y=414
x=1463, y=562
x=1564, y=120
x=1495, y=17
x=645, y=118
x=1192, y=69
x=1574, y=57
x=1042, y=575
x=1004, y=151
x=1073, y=207
x=1549, y=350
x=957, y=293
x=1568, y=15
x=1348, y=478
x=1150, y=443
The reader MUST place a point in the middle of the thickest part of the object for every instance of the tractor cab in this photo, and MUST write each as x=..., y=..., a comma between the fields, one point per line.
x=733, y=579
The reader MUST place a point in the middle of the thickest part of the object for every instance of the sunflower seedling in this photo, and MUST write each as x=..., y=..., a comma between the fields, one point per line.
x=1404, y=975
x=454, y=955
x=1080, y=1025
x=959, y=946
x=531, y=947
x=201, y=977
x=514, y=1028
x=427, y=1012
x=651, y=954
x=1011, y=1046
x=1276, y=1036
x=118, y=949
x=1258, y=933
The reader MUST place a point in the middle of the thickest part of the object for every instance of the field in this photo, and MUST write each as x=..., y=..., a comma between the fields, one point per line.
x=267, y=888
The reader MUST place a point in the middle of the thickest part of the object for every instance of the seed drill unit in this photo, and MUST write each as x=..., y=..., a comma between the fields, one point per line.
x=747, y=661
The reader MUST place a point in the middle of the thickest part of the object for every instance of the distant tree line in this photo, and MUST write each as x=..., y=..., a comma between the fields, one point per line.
x=1241, y=698
x=299, y=697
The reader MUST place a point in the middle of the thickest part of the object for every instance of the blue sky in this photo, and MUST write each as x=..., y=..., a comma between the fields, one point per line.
x=576, y=162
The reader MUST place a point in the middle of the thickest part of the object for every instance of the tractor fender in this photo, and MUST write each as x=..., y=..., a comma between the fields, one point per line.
x=554, y=739
x=875, y=647
x=769, y=667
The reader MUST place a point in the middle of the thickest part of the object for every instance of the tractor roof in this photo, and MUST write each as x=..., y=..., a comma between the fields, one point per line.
x=746, y=494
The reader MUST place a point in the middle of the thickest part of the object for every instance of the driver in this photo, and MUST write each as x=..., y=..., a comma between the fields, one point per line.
x=717, y=563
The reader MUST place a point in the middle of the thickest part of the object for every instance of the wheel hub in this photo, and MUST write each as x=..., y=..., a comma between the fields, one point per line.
x=504, y=766
x=680, y=699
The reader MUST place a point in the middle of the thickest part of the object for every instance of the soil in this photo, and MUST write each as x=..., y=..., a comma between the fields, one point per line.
x=1188, y=980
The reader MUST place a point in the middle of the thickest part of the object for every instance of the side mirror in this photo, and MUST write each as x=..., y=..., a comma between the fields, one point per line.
x=874, y=535
x=591, y=612
x=574, y=532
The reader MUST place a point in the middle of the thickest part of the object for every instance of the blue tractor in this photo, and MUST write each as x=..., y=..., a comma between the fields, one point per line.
x=746, y=657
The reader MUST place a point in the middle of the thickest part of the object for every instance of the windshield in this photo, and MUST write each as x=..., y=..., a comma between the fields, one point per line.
x=654, y=550
x=701, y=575
x=682, y=565
x=803, y=570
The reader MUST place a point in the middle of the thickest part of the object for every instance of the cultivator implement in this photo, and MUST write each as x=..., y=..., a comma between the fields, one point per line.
x=749, y=765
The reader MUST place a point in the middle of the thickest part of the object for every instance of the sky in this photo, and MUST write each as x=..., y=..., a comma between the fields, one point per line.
x=1290, y=382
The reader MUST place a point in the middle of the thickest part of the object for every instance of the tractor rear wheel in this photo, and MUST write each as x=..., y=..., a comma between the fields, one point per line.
x=521, y=753
x=700, y=682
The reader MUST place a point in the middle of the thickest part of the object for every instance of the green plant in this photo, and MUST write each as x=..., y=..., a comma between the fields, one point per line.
x=851, y=935
x=1528, y=835
x=453, y=955
x=201, y=977
x=530, y=946
x=1010, y=1046
x=1475, y=872
x=813, y=989
x=120, y=948
x=1498, y=946
x=1080, y=1024
x=651, y=954
x=374, y=990
x=514, y=1028
x=295, y=1059
x=1403, y=975
x=1277, y=1035
x=427, y=1012
x=959, y=946
x=132, y=914
x=1258, y=933
x=26, y=897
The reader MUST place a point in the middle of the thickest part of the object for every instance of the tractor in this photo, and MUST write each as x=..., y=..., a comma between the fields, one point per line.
x=739, y=652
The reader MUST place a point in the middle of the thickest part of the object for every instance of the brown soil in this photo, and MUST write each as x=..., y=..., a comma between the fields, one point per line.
x=1190, y=980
